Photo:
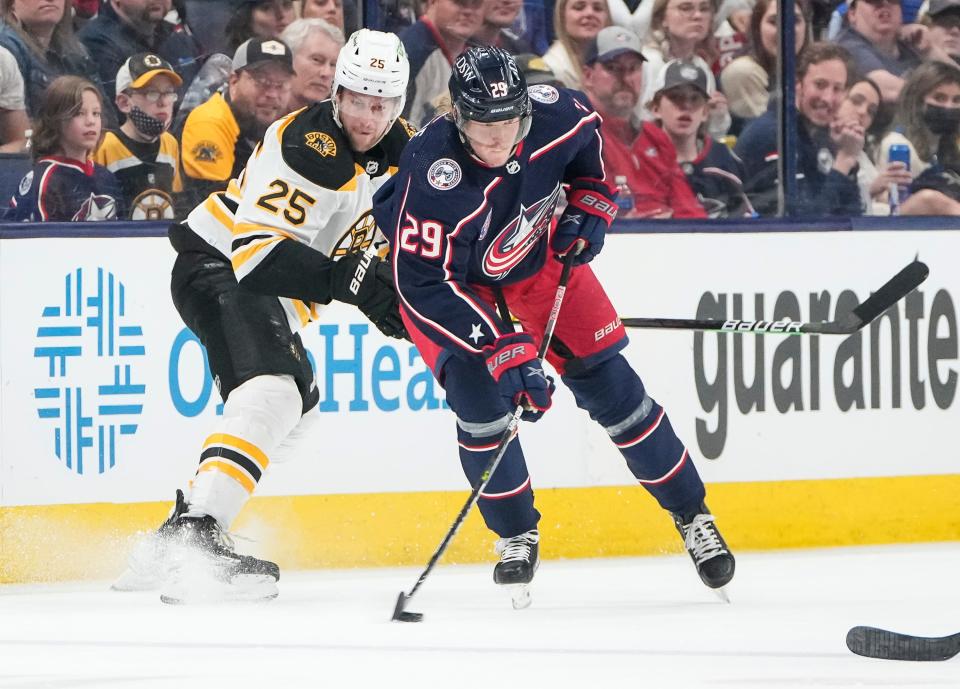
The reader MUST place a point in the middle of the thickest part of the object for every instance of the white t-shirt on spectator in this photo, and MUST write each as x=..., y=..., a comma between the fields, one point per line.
x=11, y=83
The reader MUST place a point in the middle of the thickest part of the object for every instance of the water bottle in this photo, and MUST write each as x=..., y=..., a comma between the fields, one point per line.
x=624, y=195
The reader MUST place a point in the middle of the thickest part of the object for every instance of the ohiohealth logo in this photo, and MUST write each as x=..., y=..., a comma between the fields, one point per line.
x=92, y=397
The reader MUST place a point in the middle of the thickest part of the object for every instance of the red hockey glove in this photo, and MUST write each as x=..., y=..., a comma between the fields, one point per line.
x=512, y=361
x=588, y=214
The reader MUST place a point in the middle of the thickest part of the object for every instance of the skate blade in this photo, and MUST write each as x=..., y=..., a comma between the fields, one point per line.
x=722, y=594
x=520, y=596
x=203, y=588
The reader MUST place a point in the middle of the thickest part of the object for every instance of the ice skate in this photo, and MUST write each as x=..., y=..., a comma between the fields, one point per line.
x=714, y=561
x=145, y=564
x=202, y=566
x=519, y=559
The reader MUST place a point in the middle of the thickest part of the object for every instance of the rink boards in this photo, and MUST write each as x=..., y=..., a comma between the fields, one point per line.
x=105, y=400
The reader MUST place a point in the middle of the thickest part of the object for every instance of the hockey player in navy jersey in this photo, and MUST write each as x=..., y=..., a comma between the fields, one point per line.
x=469, y=215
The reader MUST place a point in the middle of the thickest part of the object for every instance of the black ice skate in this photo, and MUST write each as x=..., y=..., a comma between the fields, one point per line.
x=519, y=559
x=203, y=567
x=708, y=550
x=145, y=564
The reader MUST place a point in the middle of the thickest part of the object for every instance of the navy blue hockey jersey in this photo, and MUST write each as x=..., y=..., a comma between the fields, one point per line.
x=453, y=222
x=61, y=189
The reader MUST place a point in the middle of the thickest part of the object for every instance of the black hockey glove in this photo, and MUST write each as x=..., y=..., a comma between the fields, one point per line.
x=587, y=216
x=366, y=281
x=512, y=361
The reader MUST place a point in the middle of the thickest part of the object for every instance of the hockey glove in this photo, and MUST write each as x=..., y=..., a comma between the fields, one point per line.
x=512, y=361
x=587, y=216
x=366, y=281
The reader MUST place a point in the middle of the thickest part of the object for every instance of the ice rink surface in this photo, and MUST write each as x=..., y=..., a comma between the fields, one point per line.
x=643, y=622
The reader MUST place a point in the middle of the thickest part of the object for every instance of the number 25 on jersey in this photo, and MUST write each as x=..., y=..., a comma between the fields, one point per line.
x=421, y=237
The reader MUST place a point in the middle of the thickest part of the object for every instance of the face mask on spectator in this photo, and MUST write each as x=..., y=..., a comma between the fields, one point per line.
x=941, y=121
x=149, y=126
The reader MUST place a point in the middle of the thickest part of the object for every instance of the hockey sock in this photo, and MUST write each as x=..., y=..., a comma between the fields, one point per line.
x=257, y=416
x=614, y=396
x=507, y=501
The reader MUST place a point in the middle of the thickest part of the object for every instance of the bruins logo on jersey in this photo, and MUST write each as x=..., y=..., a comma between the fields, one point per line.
x=152, y=204
x=321, y=143
x=358, y=237
x=407, y=127
x=207, y=151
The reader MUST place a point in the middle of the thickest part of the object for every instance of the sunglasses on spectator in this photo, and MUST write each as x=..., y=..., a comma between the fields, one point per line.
x=154, y=96
x=688, y=9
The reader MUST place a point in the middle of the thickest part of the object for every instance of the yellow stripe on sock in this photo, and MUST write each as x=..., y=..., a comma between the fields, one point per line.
x=248, y=448
x=231, y=471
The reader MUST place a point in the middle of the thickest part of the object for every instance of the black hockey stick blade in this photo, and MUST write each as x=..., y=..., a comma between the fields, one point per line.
x=895, y=289
x=401, y=615
x=880, y=643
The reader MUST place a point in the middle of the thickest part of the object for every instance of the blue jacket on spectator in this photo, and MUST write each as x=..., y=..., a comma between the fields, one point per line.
x=60, y=189
x=111, y=41
x=821, y=190
x=38, y=72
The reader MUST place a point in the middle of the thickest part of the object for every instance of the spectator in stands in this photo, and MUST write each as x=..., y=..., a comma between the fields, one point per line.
x=863, y=104
x=881, y=49
x=827, y=149
x=127, y=27
x=683, y=30
x=536, y=70
x=432, y=44
x=749, y=79
x=141, y=153
x=315, y=44
x=927, y=118
x=39, y=35
x=13, y=109
x=259, y=19
x=65, y=184
x=643, y=164
x=943, y=21
x=576, y=24
x=713, y=172
x=328, y=10
x=498, y=18
x=219, y=136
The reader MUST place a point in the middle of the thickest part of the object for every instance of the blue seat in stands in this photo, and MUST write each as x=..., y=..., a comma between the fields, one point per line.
x=13, y=166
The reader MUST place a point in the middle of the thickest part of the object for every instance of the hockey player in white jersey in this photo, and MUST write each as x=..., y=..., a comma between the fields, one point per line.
x=255, y=264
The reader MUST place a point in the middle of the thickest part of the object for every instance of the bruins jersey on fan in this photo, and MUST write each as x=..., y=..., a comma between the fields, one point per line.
x=305, y=184
x=148, y=172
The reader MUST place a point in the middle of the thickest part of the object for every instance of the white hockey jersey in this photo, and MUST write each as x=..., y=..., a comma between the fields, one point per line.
x=302, y=183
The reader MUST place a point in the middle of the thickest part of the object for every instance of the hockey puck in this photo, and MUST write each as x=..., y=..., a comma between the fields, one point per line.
x=401, y=615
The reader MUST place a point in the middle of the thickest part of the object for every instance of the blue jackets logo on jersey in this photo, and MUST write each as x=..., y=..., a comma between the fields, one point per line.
x=517, y=239
x=444, y=174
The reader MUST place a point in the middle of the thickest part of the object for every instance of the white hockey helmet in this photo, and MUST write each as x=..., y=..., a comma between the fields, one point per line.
x=373, y=63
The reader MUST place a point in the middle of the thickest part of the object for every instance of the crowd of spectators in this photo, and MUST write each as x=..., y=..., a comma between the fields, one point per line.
x=137, y=109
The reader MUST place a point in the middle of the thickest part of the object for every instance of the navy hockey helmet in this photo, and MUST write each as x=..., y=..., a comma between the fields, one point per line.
x=487, y=86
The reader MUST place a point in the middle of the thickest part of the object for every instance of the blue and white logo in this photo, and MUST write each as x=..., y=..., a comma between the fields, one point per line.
x=90, y=352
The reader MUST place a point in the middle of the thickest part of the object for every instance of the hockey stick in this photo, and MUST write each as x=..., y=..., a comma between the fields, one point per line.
x=401, y=615
x=895, y=289
x=880, y=643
